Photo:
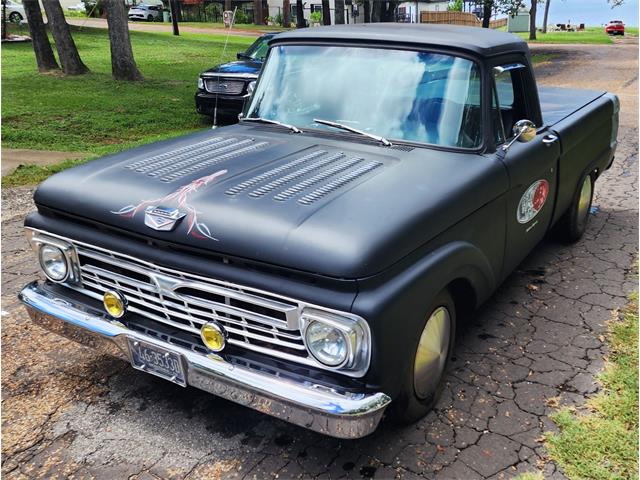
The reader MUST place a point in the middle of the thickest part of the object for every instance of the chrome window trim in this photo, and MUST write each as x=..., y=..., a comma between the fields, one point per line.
x=293, y=316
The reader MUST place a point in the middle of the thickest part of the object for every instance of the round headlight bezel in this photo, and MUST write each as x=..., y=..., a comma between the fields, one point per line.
x=46, y=247
x=318, y=354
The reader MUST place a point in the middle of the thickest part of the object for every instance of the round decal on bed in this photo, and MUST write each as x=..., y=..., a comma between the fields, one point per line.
x=532, y=201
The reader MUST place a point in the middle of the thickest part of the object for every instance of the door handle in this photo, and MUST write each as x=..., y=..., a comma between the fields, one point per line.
x=549, y=139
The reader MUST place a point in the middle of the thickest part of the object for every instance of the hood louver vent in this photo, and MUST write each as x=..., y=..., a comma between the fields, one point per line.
x=310, y=177
x=175, y=164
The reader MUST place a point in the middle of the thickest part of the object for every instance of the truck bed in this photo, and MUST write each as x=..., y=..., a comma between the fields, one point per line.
x=558, y=103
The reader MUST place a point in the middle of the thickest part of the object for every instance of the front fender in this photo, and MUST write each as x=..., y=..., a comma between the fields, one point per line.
x=395, y=305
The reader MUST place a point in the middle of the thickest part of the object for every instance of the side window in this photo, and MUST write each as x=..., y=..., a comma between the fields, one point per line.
x=509, y=103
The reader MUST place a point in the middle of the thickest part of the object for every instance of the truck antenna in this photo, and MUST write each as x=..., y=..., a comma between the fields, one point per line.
x=224, y=50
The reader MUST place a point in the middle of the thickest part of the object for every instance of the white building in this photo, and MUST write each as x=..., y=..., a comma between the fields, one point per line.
x=411, y=10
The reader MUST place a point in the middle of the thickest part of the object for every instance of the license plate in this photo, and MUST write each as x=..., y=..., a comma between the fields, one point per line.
x=157, y=361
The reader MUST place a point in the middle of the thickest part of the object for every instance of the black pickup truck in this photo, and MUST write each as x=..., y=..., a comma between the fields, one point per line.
x=312, y=262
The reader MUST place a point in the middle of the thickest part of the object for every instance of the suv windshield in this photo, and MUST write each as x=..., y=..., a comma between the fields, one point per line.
x=258, y=49
x=406, y=95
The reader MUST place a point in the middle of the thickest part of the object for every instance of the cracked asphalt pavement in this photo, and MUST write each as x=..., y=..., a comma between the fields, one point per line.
x=68, y=412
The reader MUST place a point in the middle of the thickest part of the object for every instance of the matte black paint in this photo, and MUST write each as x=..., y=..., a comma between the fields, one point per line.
x=381, y=245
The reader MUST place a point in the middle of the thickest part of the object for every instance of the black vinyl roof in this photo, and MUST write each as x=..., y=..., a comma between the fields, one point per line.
x=482, y=41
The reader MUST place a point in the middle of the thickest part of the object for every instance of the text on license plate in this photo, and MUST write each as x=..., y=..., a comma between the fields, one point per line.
x=157, y=361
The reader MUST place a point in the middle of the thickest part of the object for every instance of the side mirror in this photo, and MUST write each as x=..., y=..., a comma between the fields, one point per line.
x=239, y=56
x=524, y=131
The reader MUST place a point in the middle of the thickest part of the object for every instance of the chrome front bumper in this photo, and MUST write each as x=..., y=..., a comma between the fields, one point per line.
x=324, y=410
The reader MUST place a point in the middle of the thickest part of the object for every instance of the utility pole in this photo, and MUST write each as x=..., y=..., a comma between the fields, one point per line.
x=174, y=16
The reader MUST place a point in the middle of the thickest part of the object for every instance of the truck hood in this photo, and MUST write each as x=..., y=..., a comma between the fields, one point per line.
x=320, y=204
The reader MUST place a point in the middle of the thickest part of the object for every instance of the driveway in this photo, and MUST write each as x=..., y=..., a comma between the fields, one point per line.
x=68, y=412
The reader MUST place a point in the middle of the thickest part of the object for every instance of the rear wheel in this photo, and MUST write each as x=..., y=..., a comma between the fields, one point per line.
x=15, y=17
x=425, y=380
x=574, y=223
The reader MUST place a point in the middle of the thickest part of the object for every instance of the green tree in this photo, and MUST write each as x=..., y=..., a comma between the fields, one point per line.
x=455, y=6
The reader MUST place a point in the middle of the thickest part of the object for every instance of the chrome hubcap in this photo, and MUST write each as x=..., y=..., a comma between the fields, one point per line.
x=584, y=201
x=432, y=352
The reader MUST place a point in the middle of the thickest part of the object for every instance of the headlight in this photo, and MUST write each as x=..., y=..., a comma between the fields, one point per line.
x=338, y=341
x=200, y=83
x=53, y=263
x=327, y=344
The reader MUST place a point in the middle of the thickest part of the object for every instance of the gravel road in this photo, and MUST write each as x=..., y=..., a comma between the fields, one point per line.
x=68, y=412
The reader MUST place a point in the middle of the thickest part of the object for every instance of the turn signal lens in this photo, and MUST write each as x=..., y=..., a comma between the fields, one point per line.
x=114, y=303
x=213, y=337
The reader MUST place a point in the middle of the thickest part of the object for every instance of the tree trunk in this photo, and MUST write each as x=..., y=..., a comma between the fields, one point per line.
x=389, y=14
x=4, y=21
x=67, y=51
x=227, y=6
x=367, y=11
x=546, y=15
x=173, y=8
x=326, y=13
x=300, y=14
x=286, y=13
x=123, y=65
x=339, y=12
x=376, y=12
x=532, y=19
x=41, y=46
x=486, y=13
x=257, y=12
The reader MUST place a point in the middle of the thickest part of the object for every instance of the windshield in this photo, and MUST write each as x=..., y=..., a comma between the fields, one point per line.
x=397, y=94
x=258, y=49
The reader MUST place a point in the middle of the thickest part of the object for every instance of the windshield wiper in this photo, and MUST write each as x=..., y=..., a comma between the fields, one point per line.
x=275, y=122
x=380, y=139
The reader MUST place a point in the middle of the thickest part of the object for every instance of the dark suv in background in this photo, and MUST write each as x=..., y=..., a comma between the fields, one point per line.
x=226, y=86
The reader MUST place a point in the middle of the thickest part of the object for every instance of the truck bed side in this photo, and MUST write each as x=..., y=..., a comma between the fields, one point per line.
x=585, y=121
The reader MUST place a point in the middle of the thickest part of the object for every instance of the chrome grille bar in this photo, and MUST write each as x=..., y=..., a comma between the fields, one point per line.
x=181, y=301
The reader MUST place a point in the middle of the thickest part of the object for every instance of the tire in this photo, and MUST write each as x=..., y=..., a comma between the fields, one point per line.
x=574, y=222
x=422, y=388
x=150, y=18
x=15, y=17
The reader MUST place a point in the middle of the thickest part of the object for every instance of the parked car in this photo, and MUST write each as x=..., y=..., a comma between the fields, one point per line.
x=149, y=13
x=226, y=86
x=14, y=11
x=614, y=27
x=78, y=7
x=313, y=261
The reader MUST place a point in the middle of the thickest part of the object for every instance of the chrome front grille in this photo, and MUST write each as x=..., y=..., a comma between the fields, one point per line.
x=183, y=302
x=223, y=86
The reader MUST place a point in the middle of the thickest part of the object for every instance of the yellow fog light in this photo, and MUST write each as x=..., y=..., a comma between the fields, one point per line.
x=213, y=337
x=114, y=303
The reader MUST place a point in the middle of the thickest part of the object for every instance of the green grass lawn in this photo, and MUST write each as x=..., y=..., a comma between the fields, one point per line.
x=591, y=35
x=602, y=442
x=96, y=114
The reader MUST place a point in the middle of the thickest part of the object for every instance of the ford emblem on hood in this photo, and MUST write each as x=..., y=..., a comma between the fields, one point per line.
x=161, y=218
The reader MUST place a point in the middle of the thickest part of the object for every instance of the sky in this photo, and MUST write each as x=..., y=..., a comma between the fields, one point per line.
x=589, y=12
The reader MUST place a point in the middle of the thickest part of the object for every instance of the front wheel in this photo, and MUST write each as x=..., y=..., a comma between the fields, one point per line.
x=425, y=380
x=150, y=18
x=574, y=222
x=15, y=17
